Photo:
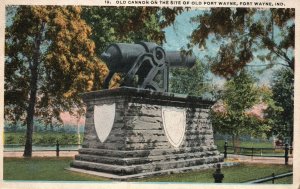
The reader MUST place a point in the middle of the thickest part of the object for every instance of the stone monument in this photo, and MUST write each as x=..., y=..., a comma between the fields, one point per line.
x=140, y=129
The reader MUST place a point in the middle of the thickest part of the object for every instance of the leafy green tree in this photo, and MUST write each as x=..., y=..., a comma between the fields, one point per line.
x=190, y=81
x=283, y=95
x=49, y=60
x=232, y=114
x=241, y=32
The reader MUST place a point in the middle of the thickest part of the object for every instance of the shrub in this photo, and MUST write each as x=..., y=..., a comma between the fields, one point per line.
x=9, y=139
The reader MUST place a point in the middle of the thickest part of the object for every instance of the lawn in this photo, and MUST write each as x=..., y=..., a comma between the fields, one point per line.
x=258, y=148
x=246, y=144
x=236, y=174
x=48, y=169
x=53, y=169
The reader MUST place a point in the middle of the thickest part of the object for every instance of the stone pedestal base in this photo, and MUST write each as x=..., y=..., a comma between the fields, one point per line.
x=131, y=133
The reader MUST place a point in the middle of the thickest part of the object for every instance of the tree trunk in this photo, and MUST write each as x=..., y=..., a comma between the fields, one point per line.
x=292, y=137
x=33, y=89
x=236, y=143
x=30, y=113
x=51, y=126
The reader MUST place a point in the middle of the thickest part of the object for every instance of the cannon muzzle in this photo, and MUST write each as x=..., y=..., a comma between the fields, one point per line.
x=177, y=59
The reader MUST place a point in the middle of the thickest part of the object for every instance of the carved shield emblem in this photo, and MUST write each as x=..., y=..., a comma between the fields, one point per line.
x=104, y=116
x=174, y=121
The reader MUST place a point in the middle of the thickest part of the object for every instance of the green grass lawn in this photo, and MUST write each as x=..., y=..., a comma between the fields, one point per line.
x=246, y=144
x=235, y=174
x=251, y=144
x=48, y=169
x=53, y=169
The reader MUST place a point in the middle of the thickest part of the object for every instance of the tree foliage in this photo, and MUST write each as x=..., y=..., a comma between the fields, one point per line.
x=243, y=34
x=128, y=24
x=190, y=81
x=283, y=95
x=49, y=60
x=232, y=114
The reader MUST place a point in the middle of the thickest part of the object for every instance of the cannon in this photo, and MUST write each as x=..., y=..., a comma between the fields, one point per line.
x=143, y=65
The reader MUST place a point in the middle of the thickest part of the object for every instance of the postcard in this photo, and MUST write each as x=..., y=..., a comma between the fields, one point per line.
x=149, y=93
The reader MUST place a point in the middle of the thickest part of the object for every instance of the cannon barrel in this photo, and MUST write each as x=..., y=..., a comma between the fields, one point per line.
x=177, y=59
x=120, y=56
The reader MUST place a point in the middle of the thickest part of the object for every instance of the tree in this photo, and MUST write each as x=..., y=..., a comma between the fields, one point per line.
x=243, y=36
x=50, y=57
x=128, y=24
x=190, y=81
x=233, y=115
x=49, y=60
x=241, y=33
x=283, y=95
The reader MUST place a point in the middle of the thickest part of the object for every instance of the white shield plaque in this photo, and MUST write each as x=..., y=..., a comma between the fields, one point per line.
x=174, y=121
x=104, y=116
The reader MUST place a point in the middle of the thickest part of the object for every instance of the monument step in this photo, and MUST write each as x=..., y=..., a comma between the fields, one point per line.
x=150, y=167
x=142, y=145
x=142, y=175
x=111, y=160
x=144, y=153
x=101, y=167
x=142, y=160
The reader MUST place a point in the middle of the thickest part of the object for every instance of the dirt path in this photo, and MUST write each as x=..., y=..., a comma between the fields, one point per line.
x=262, y=160
x=42, y=154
